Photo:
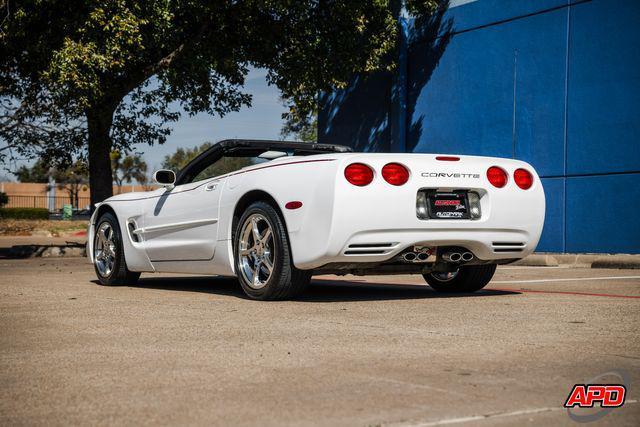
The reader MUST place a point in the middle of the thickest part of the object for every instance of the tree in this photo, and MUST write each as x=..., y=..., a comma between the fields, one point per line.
x=39, y=172
x=301, y=117
x=128, y=169
x=73, y=180
x=182, y=156
x=85, y=77
x=299, y=127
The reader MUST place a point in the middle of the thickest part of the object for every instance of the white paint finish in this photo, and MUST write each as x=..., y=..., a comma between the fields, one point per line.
x=334, y=213
x=135, y=255
x=178, y=225
x=380, y=212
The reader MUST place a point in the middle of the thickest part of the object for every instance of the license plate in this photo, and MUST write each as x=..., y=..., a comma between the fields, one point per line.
x=448, y=205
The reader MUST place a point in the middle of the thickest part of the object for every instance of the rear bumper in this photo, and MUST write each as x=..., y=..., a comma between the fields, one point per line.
x=382, y=245
x=367, y=246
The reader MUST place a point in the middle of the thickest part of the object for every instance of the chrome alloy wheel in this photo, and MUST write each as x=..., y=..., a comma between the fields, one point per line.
x=104, y=249
x=445, y=276
x=257, y=251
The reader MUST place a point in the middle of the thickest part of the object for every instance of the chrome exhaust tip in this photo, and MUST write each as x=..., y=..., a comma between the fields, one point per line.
x=409, y=257
x=467, y=256
x=452, y=256
x=423, y=256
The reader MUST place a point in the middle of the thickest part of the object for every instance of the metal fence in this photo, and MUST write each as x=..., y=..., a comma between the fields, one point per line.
x=53, y=203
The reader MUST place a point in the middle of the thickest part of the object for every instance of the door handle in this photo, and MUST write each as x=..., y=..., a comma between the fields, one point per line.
x=211, y=186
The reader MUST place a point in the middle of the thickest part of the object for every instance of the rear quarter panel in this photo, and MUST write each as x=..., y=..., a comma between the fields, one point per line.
x=309, y=180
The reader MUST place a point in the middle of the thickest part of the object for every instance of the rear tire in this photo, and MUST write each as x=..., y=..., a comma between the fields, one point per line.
x=468, y=278
x=108, y=254
x=263, y=256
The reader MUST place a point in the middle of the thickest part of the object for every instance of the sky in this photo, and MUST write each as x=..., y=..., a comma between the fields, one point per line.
x=263, y=120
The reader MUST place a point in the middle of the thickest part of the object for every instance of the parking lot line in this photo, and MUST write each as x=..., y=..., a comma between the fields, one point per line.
x=472, y=418
x=572, y=279
x=587, y=294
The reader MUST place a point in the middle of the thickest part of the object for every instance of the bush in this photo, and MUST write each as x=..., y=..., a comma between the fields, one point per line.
x=24, y=213
x=4, y=199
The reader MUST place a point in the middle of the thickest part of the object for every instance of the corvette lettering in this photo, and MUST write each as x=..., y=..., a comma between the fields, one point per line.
x=450, y=175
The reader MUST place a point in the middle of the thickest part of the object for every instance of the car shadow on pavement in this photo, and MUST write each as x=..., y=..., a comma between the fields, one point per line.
x=326, y=290
x=321, y=290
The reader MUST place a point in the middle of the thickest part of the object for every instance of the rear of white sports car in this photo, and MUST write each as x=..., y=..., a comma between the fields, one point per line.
x=421, y=213
x=313, y=209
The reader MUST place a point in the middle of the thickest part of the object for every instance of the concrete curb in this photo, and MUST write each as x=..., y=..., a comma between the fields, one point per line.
x=43, y=251
x=620, y=261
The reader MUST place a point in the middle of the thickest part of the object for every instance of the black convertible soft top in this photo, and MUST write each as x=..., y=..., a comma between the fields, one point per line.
x=252, y=148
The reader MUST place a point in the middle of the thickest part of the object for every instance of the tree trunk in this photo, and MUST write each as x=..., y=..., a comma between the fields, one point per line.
x=100, y=178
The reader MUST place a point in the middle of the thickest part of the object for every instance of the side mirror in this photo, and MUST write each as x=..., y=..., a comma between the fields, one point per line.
x=165, y=177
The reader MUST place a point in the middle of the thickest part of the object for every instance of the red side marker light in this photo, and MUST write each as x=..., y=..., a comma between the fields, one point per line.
x=497, y=177
x=523, y=178
x=395, y=174
x=358, y=174
x=293, y=205
x=448, y=158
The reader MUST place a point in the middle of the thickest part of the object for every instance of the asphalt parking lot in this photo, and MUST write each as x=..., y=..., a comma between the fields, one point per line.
x=355, y=351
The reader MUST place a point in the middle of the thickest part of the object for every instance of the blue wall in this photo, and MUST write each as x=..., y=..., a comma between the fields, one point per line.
x=553, y=82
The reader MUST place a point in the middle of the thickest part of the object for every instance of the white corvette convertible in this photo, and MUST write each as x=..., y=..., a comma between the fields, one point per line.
x=275, y=213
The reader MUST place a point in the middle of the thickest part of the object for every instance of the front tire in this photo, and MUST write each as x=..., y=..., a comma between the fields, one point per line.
x=468, y=278
x=263, y=256
x=108, y=253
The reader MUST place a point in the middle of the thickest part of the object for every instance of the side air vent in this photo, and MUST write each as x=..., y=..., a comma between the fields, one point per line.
x=508, y=246
x=131, y=227
x=370, y=248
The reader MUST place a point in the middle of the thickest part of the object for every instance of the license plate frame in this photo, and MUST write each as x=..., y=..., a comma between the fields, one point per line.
x=448, y=204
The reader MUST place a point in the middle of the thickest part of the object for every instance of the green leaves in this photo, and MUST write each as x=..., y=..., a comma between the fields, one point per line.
x=182, y=156
x=127, y=65
x=128, y=168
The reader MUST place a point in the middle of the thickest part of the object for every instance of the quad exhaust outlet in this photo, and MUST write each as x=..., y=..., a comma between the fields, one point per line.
x=457, y=257
x=421, y=256
x=416, y=257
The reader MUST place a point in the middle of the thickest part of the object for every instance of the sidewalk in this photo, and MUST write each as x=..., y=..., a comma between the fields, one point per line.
x=623, y=261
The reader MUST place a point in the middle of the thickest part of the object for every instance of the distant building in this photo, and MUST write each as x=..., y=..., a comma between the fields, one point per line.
x=553, y=82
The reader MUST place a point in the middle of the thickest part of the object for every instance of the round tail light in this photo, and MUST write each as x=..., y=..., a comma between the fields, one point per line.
x=497, y=177
x=395, y=174
x=523, y=178
x=358, y=174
